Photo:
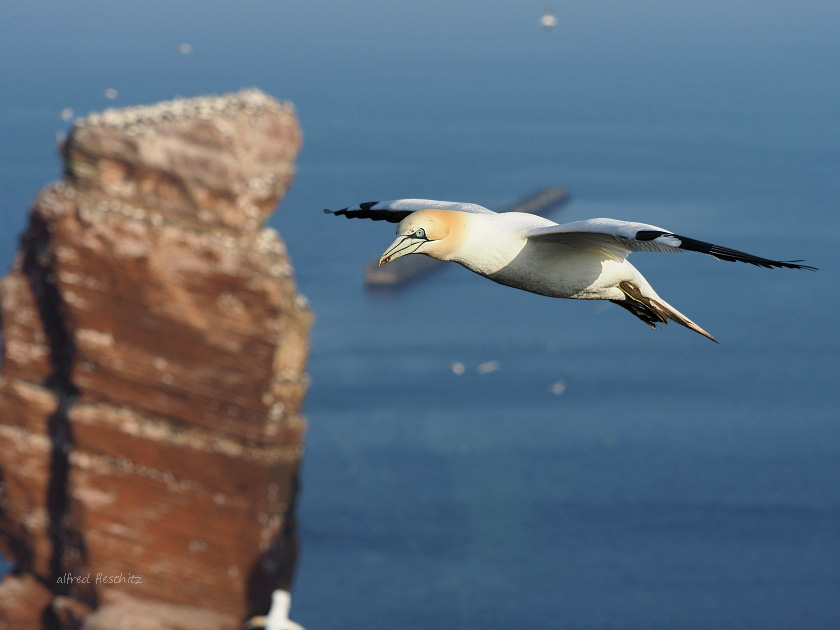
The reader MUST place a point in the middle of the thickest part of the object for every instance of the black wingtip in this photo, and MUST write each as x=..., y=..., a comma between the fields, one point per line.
x=789, y=264
x=733, y=255
x=368, y=210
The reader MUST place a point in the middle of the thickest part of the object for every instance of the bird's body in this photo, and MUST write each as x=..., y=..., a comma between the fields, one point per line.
x=497, y=247
x=582, y=260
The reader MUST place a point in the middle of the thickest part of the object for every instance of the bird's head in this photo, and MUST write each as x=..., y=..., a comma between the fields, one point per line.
x=436, y=233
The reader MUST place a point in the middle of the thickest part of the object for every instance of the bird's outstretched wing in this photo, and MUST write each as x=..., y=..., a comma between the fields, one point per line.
x=398, y=209
x=620, y=238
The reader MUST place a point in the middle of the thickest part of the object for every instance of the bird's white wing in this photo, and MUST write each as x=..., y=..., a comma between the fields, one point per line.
x=620, y=238
x=396, y=210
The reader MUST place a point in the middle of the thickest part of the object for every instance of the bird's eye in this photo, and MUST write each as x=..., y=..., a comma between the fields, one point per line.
x=421, y=233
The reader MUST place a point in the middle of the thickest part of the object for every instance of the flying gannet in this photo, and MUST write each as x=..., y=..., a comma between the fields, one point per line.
x=584, y=260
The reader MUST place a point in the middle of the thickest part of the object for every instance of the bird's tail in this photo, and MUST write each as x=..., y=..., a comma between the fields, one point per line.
x=652, y=309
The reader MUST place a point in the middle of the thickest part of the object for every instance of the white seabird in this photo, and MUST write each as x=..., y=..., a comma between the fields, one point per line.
x=548, y=20
x=584, y=260
x=277, y=617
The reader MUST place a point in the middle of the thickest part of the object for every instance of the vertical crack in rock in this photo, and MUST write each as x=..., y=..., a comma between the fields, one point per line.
x=67, y=543
x=275, y=568
x=152, y=375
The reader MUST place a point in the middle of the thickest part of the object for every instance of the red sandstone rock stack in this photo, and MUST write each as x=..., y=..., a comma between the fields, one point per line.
x=153, y=370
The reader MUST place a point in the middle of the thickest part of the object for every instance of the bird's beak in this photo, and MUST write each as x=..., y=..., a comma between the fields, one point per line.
x=400, y=247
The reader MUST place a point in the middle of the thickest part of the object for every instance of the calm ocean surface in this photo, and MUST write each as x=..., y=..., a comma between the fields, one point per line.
x=605, y=475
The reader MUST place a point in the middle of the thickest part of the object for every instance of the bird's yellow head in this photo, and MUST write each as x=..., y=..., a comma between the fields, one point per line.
x=435, y=233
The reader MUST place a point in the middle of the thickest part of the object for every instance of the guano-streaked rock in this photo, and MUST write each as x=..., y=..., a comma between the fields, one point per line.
x=153, y=372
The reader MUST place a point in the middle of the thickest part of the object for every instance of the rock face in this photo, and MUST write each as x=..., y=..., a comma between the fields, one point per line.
x=153, y=371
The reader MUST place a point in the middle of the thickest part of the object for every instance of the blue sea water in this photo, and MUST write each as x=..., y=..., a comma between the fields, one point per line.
x=605, y=475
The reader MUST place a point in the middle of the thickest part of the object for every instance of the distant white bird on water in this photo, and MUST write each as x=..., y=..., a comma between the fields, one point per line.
x=584, y=260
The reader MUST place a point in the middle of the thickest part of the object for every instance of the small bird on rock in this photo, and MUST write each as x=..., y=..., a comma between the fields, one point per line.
x=278, y=617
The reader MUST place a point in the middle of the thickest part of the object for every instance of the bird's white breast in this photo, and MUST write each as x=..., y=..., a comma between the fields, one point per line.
x=491, y=242
x=497, y=247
